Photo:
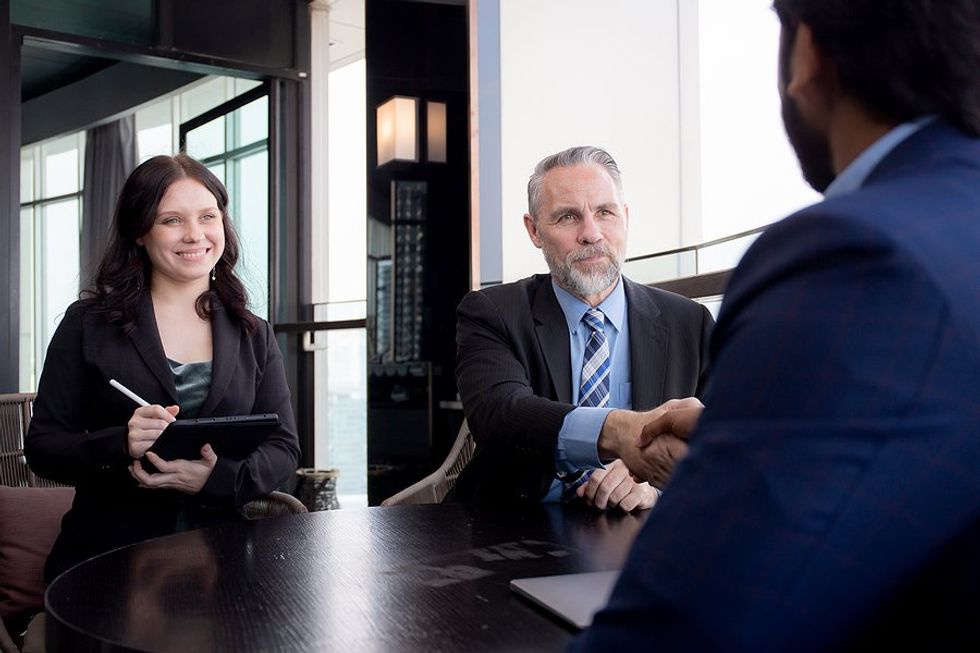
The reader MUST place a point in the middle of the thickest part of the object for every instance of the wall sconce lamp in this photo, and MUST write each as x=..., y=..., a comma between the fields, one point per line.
x=397, y=140
x=435, y=122
x=398, y=132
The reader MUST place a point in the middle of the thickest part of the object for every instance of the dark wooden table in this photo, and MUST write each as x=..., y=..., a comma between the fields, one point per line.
x=408, y=578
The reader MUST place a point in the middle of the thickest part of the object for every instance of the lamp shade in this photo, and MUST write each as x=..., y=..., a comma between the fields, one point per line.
x=397, y=133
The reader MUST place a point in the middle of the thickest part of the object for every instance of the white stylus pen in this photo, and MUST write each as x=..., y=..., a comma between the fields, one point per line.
x=129, y=393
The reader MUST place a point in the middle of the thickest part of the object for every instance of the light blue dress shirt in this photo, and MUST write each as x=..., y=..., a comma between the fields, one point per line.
x=579, y=433
x=852, y=177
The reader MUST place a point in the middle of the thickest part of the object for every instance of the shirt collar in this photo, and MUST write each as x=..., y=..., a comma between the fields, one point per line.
x=613, y=306
x=853, y=176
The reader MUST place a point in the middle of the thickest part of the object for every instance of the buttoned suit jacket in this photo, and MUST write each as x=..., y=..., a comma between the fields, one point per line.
x=514, y=376
x=78, y=433
x=831, y=496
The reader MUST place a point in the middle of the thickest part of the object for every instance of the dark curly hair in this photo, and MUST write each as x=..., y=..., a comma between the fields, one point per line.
x=124, y=271
x=902, y=59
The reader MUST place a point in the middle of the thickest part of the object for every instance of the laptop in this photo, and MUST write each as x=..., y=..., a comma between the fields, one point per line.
x=573, y=597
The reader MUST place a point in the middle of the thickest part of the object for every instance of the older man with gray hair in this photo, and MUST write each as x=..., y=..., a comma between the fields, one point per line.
x=558, y=373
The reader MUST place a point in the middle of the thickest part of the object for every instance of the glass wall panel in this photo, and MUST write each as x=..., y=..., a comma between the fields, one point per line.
x=341, y=378
x=723, y=256
x=346, y=151
x=61, y=169
x=252, y=122
x=154, y=129
x=203, y=97
x=242, y=85
x=219, y=171
x=58, y=264
x=27, y=175
x=207, y=140
x=26, y=336
x=252, y=222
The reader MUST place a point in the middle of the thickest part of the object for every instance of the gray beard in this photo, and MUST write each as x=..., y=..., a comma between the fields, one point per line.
x=591, y=281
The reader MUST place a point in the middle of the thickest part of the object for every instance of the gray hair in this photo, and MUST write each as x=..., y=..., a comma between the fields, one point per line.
x=573, y=156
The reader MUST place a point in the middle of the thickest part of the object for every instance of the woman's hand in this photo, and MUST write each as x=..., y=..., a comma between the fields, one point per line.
x=187, y=476
x=146, y=425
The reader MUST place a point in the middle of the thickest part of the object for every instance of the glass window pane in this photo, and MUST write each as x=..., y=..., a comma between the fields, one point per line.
x=154, y=130
x=27, y=174
x=202, y=98
x=26, y=348
x=347, y=196
x=252, y=122
x=154, y=141
x=724, y=255
x=207, y=140
x=242, y=85
x=341, y=420
x=60, y=167
x=57, y=278
x=251, y=215
x=219, y=171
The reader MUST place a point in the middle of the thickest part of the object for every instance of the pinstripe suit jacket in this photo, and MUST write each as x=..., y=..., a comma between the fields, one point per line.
x=514, y=376
x=78, y=431
x=831, y=497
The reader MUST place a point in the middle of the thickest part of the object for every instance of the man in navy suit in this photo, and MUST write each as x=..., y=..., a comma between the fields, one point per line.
x=831, y=496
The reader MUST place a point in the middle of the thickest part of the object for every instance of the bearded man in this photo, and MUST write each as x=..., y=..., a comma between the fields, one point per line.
x=830, y=500
x=559, y=373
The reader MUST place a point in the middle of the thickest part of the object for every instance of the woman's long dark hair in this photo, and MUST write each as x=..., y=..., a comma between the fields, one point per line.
x=124, y=272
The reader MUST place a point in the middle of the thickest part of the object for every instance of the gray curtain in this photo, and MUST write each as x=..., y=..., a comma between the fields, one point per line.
x=110, y=155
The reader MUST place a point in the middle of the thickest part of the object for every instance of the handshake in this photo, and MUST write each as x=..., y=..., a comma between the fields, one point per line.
x=652, y=442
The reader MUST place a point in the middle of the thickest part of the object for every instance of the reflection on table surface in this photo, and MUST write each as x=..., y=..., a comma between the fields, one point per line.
x=408, y=577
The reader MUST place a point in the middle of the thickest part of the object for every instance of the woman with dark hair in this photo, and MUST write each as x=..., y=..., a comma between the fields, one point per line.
x=167, y=318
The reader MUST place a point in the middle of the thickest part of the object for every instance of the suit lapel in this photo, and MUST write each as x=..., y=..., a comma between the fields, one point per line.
x=648, y=347
x=146, y=339
x=226, y=337
x=551, y=330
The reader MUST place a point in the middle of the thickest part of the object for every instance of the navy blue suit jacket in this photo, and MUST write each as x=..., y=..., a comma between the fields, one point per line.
x=831, y=498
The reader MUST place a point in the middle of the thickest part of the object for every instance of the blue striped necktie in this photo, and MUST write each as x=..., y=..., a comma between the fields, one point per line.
x=594, y=385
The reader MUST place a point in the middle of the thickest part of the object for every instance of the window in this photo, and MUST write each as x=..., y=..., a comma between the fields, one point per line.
x=50, y=218
x=235, y=147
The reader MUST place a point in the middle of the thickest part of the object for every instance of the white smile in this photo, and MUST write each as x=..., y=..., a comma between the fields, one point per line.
x=194, y=255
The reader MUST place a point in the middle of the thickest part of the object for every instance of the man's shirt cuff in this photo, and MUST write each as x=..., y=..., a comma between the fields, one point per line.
x=578, y=438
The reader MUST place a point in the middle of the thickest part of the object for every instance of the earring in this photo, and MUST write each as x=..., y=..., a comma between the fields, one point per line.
x=214, y=274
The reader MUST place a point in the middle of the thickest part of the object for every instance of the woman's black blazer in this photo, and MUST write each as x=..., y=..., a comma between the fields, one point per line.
x=78, y=431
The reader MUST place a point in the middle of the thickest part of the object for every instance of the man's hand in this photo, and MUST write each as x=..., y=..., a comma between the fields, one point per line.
x=187, y=476
x=679, y=422
x=652, y=456
x=613, y=487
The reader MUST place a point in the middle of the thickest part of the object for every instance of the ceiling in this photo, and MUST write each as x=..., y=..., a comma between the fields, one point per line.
x=44, y=70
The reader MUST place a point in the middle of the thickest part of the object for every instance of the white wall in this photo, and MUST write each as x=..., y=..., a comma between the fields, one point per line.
x=580, y=72
x=681, y=92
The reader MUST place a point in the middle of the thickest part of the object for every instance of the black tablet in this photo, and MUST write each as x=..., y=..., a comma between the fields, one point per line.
x=232, y=436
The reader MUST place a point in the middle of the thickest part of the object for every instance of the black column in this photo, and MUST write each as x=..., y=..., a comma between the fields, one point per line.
x=9, y=202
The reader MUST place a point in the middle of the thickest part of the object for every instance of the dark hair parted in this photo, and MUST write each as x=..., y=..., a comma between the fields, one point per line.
x=124, y=271
x=902, y=59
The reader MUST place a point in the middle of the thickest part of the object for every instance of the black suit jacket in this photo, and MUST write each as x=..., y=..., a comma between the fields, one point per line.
x=514, y=376
x=78, y=430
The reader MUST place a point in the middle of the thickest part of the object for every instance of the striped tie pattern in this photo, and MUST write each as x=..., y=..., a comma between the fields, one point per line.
x=594, y=385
